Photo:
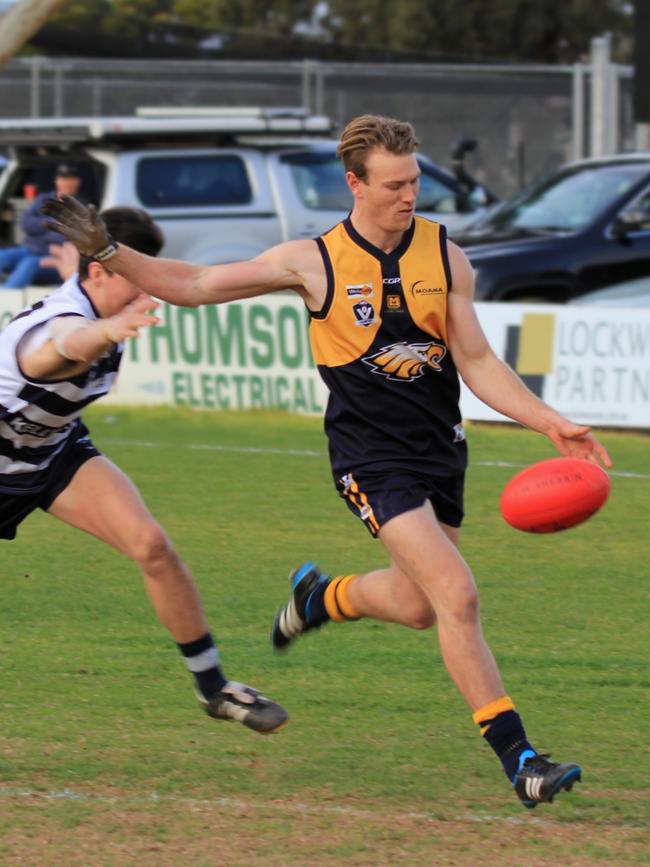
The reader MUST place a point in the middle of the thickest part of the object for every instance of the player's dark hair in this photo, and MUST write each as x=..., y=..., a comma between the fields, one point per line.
x=132, y=227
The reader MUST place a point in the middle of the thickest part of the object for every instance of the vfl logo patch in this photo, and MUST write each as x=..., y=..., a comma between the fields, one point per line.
x=418, y=290
x=359, y=290
x=404, y=362
x=364, y=313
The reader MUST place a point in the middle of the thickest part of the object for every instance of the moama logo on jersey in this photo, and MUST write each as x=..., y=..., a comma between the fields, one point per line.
x=404, y=362
x=417, y=289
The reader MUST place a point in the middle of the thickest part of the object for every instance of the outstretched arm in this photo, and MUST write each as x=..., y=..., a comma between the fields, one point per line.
x=495, y=383
x=75, y=342
x=170, y=279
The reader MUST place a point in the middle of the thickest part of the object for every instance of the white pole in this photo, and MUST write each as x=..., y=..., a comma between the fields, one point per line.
x=578, y=112
x=642, y=137
x=600, y=105
x=35, y=86
x=614, y=125
x=306, y=69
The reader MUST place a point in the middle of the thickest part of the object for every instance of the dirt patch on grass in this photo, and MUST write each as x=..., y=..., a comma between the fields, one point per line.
x=107, y=830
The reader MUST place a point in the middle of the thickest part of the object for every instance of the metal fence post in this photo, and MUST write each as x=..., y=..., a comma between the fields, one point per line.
x=35, y=86
x=614, y=125
x=306, y=68
x=97, y=97
x=58, y=91
x=601, y=118
x=319, y=88
x=578, y=112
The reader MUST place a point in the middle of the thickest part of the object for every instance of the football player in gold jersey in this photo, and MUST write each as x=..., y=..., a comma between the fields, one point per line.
x=392, y=326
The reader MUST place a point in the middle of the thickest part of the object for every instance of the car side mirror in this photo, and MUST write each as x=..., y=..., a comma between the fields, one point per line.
x=478, y=198
x=634, y=220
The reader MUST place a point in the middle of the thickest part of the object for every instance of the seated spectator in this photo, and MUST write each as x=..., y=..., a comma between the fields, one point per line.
x=24, y=265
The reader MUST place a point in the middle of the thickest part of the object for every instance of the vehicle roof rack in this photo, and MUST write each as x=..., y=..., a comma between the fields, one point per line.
x=220, y=111
x=58, y=131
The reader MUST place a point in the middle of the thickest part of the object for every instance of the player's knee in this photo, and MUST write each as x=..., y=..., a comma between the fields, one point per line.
x=423, y=618
x=152, y=545
x=465, y=604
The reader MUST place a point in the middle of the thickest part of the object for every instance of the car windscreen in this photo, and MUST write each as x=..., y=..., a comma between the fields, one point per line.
x=567, y=201
x=437, y=194
x=320, y=181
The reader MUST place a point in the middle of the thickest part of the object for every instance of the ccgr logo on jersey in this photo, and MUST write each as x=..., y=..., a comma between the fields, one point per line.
x=359, y=290
x=419, y=290
x=404, y=362
x=364, y=313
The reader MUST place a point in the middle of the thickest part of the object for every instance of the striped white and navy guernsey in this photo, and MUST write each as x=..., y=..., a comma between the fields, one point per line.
x=39, y=418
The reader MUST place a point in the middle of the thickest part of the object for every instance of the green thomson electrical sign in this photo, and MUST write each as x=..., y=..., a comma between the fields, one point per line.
x=244, y=354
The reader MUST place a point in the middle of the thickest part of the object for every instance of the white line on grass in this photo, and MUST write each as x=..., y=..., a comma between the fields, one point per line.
x=214, y=447
x=308, y=453
x=66, y=794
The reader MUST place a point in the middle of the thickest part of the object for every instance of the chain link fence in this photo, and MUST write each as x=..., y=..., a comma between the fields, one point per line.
x=524, y=117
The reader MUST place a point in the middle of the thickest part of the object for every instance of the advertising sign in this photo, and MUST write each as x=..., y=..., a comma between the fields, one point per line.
x=591, y=364
x=247, y=354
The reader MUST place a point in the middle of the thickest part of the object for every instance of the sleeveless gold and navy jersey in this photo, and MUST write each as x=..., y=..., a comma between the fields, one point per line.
x=380, y=344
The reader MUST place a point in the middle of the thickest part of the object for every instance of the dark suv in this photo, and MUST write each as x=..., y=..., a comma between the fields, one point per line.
x=585, y=226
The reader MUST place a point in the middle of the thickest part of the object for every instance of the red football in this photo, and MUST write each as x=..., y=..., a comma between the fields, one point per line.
x=554, y=495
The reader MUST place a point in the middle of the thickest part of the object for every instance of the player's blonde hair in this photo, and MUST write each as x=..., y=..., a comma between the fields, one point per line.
x=370, y=131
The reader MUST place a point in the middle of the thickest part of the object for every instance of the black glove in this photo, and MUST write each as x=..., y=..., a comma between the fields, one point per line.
x=81, y=225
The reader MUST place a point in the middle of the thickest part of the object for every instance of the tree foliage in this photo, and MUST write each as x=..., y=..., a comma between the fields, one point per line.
x=544, y=31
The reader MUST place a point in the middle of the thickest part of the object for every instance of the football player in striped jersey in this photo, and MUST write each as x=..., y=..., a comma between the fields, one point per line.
x=56, y=357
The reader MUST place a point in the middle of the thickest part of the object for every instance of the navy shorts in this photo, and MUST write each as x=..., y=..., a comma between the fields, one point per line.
x=14, y=508
x=378, y=499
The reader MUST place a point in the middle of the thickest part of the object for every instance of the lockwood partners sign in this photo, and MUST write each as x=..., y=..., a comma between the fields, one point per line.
x=591, y=364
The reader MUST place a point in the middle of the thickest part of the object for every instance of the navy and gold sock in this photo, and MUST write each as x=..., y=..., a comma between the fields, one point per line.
x=202, y=659
x=502, y=728
x=336, y=599
x=329, y=601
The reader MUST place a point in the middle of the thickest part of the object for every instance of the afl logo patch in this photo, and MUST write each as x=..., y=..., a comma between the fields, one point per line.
x=364, y=313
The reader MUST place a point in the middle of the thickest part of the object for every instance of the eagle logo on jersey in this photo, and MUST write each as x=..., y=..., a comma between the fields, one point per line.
x=404, y=362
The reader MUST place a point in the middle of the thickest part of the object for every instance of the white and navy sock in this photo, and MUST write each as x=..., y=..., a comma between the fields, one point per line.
x=202, y=659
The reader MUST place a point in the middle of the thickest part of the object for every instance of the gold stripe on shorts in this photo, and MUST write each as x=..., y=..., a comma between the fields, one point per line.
x=365, y=506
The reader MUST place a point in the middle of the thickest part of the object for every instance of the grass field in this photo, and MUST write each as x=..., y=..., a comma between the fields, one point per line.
x=106, y=760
